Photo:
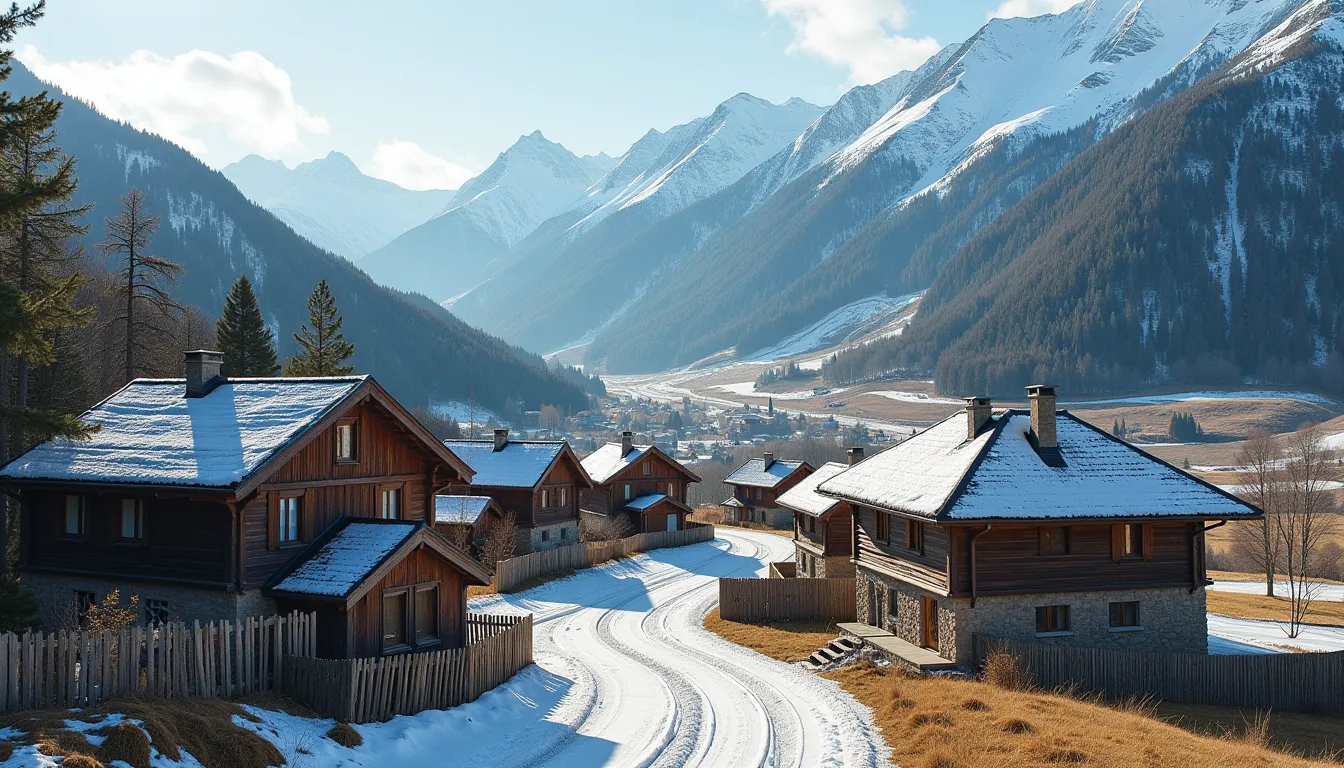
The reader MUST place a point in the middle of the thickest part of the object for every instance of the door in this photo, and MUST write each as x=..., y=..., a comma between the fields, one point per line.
x=671, y=522
x=929, y=620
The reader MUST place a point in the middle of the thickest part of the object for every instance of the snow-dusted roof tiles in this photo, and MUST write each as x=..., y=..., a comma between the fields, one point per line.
x=347, y=559
x=935, y=474
x=460, y=509
x=151, y=433
x=643, y=502
x=518, y=465
x=755, y=473
x=604, y=463
x=804, y=498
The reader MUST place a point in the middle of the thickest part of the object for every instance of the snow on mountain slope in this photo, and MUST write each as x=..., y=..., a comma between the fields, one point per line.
x=698, y=158
x=333, y=204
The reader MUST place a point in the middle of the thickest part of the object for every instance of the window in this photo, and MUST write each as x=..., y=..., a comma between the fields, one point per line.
x=394, y=619
x=73, y=526
x=545, y=535
x=883, y=526
x=564, y=497
x=389, y=506
x=564, y=534
x=83, y=602
x=132, y=520
x=288, y=530
x=1052, y=618
x=1133, y=540
x=914, y=535
x=427, y=615
x=627, y=491
x=758, y=493
x=156, y=612
x=893, y=600
x=1054, y=540
x=647, y=469
x=1125, y=615
x=347, y=441
x=545, y=498
x=672, y=490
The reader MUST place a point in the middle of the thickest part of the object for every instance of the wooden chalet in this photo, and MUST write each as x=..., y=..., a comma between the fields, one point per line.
x=466, y=519
x=756, y=487
x=194, y=493
x=822, y=525
x=1030, y=524
x=640, y=482
x=537, y=481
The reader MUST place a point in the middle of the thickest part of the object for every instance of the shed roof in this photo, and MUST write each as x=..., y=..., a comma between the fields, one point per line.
x=803, y=496
x=999, y=475
x=460, y=509
x=648, y=501
x=755, y=473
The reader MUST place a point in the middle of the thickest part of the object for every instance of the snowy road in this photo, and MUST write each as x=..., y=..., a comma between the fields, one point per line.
x=648, y=686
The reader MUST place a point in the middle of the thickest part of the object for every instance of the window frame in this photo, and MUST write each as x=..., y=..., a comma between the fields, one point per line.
x=627, y=491
x=138, y=540
x=154, y=606
x=564, y=497
x=84, y=601
x=351, y=424
x=1126, y=623
x=1047, y=547
x=407, y=629
x=297, y=500
x=417, y=590
x=545, y=498
x=914, y=535
x=883, y=527
x=1057, y=620
x=398, y=495
x=82, y=518
x=648, y=467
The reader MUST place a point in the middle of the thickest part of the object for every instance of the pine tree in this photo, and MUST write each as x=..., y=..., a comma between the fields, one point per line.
x=1115, y=427
x=323, y=349
x=146, y=307
x=241, y=332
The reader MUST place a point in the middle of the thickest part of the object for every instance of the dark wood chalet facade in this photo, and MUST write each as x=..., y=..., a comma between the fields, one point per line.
x=756, y=487
x=537, y=481
x=639, y=482
x=194, y=493
x=822, y=526
x=1030, y=524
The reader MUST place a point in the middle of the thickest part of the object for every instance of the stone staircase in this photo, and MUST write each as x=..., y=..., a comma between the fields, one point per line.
x=834, y=650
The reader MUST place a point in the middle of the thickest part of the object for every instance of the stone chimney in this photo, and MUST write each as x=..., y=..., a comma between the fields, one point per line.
x=627, y=443
x=978, y=412
x=767, y=459
x=202, y=371
x=501, y=439
x=855, y=455
x=1042, y=399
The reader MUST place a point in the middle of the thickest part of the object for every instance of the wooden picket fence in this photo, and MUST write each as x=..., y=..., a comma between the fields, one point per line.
x=787, y=599
x=518, y=570
x=69, y=669
x=378, y=689
x=1294, y=682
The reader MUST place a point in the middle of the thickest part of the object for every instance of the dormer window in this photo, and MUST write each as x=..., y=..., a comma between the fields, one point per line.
x=347, y=441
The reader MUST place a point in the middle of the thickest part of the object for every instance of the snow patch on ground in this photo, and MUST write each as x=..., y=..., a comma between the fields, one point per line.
x=1328, y=592
x=1183, y=397
x=1273, y=636
x=914, y=397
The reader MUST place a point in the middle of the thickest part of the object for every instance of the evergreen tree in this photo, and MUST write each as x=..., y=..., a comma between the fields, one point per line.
x=248, y=345
x=1115, y=427
x=323, y=349
x=146, y=307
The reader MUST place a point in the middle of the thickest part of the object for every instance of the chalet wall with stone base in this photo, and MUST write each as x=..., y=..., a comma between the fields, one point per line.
x=1171, y=619
x=547, y=537
x=775, y=517
x=812, y=565
x=56, y=599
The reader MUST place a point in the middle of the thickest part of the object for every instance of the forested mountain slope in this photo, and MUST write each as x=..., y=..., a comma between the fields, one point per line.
x=215, y=233
x=1200, y=243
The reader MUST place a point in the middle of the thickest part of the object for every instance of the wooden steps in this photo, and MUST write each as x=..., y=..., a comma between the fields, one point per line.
x=907, y=655
x=832, y=652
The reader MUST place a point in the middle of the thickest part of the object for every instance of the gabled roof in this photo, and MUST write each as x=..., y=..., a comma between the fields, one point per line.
x=152, y=434
x=460, y=509
x=520, y=464
x=804, y=498
x=755, y=473
x=941, y=475
x=607, y=462
x=649, y=500
x=352, y=556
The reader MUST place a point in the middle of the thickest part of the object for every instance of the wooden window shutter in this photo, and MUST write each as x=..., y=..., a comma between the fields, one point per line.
x=1147, y=541
x=404, y=503
x=1042, y=546
x=309, y=515
x=272, y=519
x=1117, y=542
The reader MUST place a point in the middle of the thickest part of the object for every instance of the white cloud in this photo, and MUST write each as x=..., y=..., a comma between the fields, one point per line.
x=858, y=34
x=199, y=99
x=1012, y=8
x=409, y=165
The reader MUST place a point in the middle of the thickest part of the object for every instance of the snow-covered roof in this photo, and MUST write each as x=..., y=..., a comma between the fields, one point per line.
x=151, y=433
x=644, y=501
x=606, y=462
x=521, y=464
x=755, y=473
x=804, y=498
x=732, y=501
x=460, y=509
x=346, y=559
x=936, y=474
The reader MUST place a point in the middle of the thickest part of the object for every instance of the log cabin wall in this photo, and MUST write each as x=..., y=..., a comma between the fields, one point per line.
x=562, y=475
x=927, y=568
x=184, y=541
x=597, y=499
x=365, y=618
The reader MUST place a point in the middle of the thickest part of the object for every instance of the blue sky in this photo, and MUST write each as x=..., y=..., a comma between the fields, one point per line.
x=428, y=93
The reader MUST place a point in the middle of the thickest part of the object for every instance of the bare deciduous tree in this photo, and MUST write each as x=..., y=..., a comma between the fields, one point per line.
x=1305, y=518
x=1257, y=543
x=500, y=541
x=604, y=528
x=143, y=302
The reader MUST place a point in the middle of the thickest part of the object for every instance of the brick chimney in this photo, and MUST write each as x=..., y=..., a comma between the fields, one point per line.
x=978, y=412
x=767, y=459
x=855, y=455
x=501, y=439
x=627, y=443
x=1042, y=399
x=202, y=367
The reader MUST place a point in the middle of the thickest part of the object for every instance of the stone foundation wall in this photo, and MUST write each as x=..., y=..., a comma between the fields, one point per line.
x=55, y=595
x=833, y=567
x=534, y=541
x=902, y=605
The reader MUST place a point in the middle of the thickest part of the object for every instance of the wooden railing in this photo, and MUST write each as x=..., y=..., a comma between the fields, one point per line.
x=378, y=689
x=1300, y=682
x=69, y=669
x=756, y=600
x=511, y=573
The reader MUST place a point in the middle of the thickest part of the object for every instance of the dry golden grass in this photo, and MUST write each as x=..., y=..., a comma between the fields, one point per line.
x=475, y=591
x=1301, y=732
x=1220, y=538
x=345, y=735
x=787, y=641
x=1272, y=608
x=124, y=742
x=1237, y=418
